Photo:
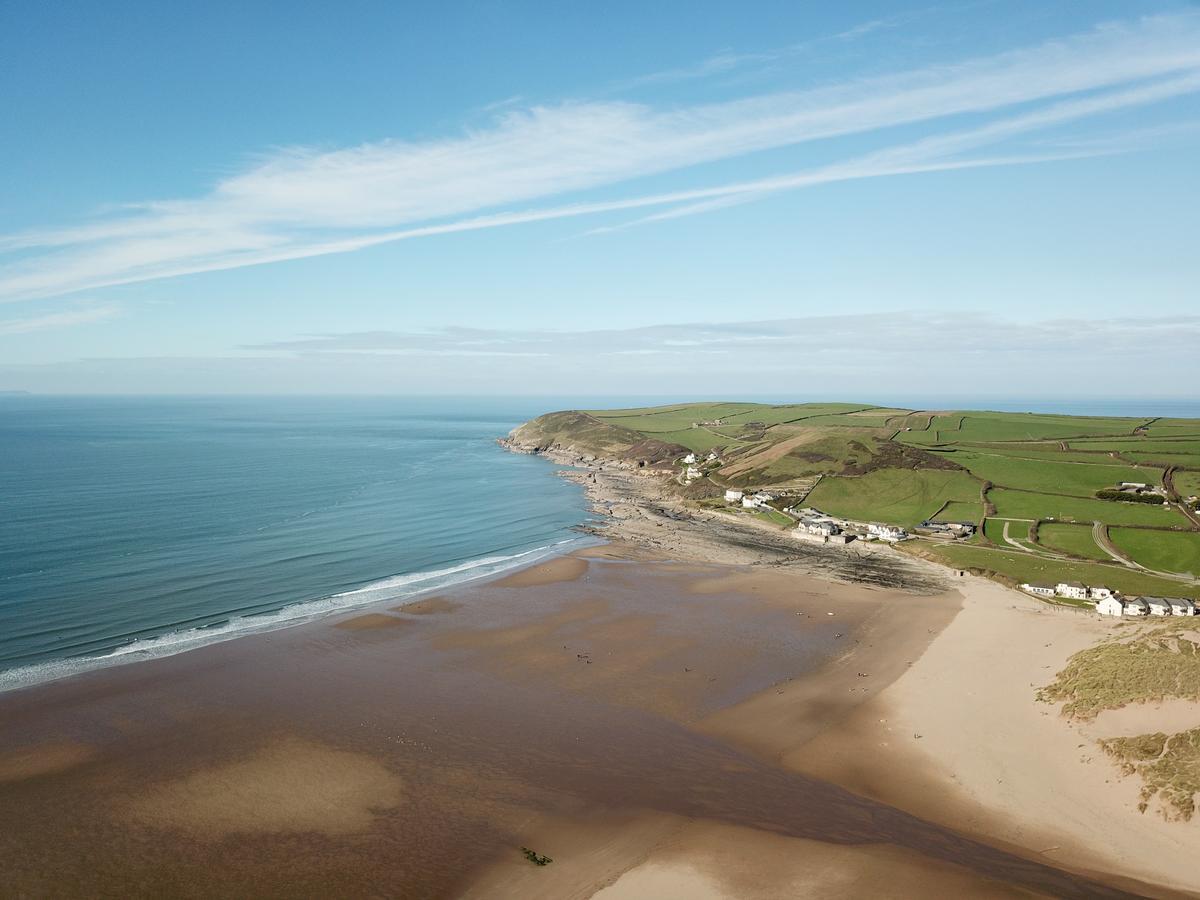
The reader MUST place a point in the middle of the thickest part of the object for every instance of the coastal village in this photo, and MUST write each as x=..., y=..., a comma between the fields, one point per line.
x=814, y=526
x=811, y=524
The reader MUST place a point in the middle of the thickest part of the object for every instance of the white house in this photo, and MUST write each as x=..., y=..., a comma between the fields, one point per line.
x=713, y=456
x=887, y=532
x=692, y=472
x=689, y=459
x=1132, y=486
x=1158, y=606
x=1072, y=589
x=1100, y=592
x=1110, y=606
x=1041, y=589
x=1182, y=606
x=732, y=496
x=1135, y=606
x=762, y=498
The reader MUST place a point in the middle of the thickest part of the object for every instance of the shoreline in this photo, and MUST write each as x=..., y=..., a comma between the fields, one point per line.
x=567, y=707
x=698, y=705
x=173, y=643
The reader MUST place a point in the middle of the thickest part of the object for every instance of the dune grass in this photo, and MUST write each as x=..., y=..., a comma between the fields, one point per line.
x=1152, y=666
x=1169, y=766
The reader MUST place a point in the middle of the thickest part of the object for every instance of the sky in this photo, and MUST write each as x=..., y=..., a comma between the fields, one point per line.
x=822, y=200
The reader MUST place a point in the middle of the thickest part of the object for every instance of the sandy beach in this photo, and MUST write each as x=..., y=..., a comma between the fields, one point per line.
x=695, y=709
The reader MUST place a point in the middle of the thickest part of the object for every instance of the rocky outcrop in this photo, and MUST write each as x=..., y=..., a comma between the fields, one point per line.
x=573, y=436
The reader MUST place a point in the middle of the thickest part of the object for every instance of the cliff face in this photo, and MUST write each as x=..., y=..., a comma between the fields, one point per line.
x=577, y=434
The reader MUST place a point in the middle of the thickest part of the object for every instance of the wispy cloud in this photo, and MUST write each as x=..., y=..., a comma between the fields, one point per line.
x=64, y=319
x=301, y=202
x=860, y=342
x=846, y=356
x=727, y=61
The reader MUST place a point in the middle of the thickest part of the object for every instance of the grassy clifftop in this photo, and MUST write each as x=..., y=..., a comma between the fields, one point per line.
x=583, y=434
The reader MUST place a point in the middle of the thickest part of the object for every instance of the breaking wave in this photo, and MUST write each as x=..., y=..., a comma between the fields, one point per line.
x=406, y=587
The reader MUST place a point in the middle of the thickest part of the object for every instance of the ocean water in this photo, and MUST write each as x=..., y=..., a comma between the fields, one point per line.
x=137, y=527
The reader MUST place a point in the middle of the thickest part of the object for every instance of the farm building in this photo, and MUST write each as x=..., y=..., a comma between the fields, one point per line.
x=732, y=496
x=1072, y=589
x=1182, y=606
x=953, y=529
x=689, y=459
x=1135, y=606
x=1039, y=588
x=692, y=472
x=1110, y=606
x=713, y=456
x=1158, y=606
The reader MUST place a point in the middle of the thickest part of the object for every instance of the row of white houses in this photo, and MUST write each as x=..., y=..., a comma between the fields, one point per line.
x=814, y=523
x=1110, y=603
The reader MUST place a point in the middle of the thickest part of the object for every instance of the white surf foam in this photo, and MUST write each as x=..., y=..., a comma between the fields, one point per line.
x=398, y=587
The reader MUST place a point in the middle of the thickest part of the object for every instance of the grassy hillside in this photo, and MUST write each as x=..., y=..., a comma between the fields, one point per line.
x=902, y=466
x=895, y=496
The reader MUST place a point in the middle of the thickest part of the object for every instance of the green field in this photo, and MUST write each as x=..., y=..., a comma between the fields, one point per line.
x=895, y=496
x=778, y=415
x=1188, y=483
x=960, y=511
x=1077, y=478
x=658, y=419
x=993, y=426
x=1050, y=451
x=994, y=529
x=1073, y=539
x=1028, y=505
x=1165, y=551
x=1020, y=566
x=775, y=517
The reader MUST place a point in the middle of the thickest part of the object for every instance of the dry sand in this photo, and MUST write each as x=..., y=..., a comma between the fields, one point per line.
x=965, y=715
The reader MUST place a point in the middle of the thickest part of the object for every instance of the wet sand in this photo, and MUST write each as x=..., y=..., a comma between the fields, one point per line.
x=622, y=715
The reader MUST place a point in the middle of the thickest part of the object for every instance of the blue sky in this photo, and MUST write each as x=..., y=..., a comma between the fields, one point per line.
x=762, y=198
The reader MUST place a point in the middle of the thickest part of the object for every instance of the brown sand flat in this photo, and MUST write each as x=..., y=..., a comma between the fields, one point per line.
x=584, y=719
x=370, y=621
x=716, y=862
x=429, y=606
x=556, y=571
x=288, y=785
x=42, y=759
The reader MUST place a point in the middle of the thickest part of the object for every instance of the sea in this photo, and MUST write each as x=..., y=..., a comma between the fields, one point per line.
x=132, y=528
x=138, y=527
